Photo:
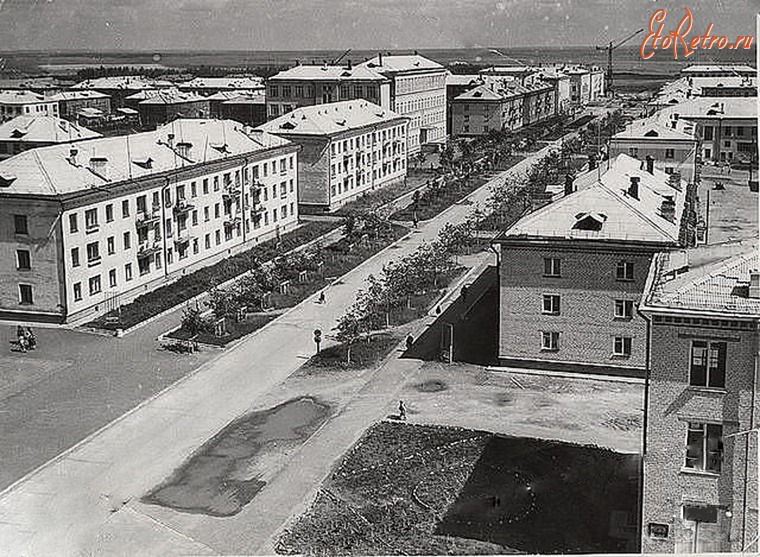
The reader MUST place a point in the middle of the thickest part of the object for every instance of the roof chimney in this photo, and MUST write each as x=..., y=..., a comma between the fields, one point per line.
x=668, y=209
x=379, y=58
x=650, y=164
x=754, y=284
x=170, y=139
x=73, y=155
x=99, y=166
x=633, y=188
x=674, y=181
x=569, y=186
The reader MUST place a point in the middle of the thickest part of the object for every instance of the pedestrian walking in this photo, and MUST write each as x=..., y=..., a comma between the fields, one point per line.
x=401, y=410
x=409, y=342
x=322, y=297
x=31, y=340
x=21, y=336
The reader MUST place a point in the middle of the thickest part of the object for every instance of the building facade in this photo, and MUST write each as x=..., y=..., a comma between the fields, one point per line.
x=71, y=103
x=347, y=149
x=166, y=105
x=700, y=479
x=418, y=91
x=28, y=132
x=497, y=106
x=90, y=226
x=312, y=85
x=26, y=103
x=672, y=144
x=572, y=273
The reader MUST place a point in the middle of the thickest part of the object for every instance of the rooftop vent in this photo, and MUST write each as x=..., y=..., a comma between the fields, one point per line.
x=589, y=221
x=633, y=187
x=98, y=165
x=6, y=180
x=183, y=149
x=668, y=209
x=73, y=156
x=146, y=162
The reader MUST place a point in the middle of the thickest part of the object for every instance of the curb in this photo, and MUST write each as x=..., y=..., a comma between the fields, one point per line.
x=569, y=375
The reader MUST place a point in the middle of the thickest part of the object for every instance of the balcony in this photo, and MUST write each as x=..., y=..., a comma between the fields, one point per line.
x=147, y=249
x=146, y=219
x=182, y=238
x=257, y=211
x=182, y=206
x=231, y=189
x=232, y=221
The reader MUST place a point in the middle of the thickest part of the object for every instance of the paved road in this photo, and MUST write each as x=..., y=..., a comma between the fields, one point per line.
x=70, y=504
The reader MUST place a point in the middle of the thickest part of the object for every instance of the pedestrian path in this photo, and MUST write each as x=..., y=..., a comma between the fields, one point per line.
x=83, y=500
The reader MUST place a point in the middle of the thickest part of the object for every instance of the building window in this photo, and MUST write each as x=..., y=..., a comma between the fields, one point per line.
x=551, y=304
x=623, y=309
x=708, y=364
x=111, y=245
x=704, y=447
x=23, y=260
x=75, y=257
x=550, y=341
x=112, y=278
x=77, y=291
x=20, y=224
x=127, y=241
x=109, y=212
x=125, y=208
x=93, y=253
x=25, y=294
x=91, y=219
x=207, y=242
x=94, y=284
x=552, y=267
x=128, y=271
x=622, y=346
x=624, y=270
x=205, y=186
x=73, y=224
x=708, y=133
x=670, y=153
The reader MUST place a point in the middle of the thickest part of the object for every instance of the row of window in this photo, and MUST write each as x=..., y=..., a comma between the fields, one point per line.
x=621, y=346
x=553, y=268
x=622, y=309
x=412, y=105
x=634, y=152
x=365, y=140
x=307, y=91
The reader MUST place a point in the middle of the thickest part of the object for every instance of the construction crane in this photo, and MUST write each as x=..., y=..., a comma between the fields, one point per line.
x=609, y=48
x=339, y=58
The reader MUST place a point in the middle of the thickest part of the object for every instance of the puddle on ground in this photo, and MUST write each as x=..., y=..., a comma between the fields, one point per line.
x=226, y=473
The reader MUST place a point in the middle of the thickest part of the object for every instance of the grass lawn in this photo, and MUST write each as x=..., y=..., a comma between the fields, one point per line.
x=432, y=202
x=235, y=329
x=365, y=353
x=426, y=490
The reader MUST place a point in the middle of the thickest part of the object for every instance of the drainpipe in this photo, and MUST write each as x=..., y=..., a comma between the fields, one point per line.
x=162, y=226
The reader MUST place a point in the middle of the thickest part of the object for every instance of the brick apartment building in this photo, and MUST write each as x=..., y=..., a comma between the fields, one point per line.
x=418, y=91
x=572, y=273
x=700, y=480
x=312, y=85
x=495, y=106
x=86, y=227
x=348, y=149
x=71, y=103
x=672, y=143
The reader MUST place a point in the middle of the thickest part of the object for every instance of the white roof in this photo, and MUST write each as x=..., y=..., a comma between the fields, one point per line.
x=48, y=171
x=714, y=108
x=230, y=82
x=23, y=97
x=401, y=63
x=329, y=73
x=78, y=95
x=127, y=82
x=43, y=129
x=330, y=118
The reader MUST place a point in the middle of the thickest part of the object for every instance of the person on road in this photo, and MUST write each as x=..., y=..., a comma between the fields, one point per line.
x=401, y=410
x=21, y=336
x=31, y=340
x=322, y=297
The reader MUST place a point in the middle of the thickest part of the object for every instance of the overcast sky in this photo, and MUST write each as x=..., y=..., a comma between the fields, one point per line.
x=338, y=24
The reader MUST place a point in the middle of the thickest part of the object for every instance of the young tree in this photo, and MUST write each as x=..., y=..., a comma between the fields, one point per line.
x=193, y=320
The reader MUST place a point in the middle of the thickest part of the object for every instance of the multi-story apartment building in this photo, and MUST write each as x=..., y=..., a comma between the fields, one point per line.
x=27, y=132
x=165, y=105
x=71, y=103
x=312, y=85
x=540, y=102
x=687, y=88
x=26, y=103
x=86, y=227
x=727, y=126
x=496, y=106
x=700, y=467
x=571, y=273
x=249, y=108
x=418, y=91
x=119, y=87
x=672, y=143
x=348, y=149
x=520, y=74
x=207, y=86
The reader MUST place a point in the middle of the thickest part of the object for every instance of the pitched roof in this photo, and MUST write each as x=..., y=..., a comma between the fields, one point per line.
x=623, y=218
x=714, y=108
x=49, y=171
x=401, y=63
x=43, y=129
x=679, y=281
x=331, y=73
x=656, y=128
x=493, y=90
x=78, y=95
x=126, y=82
x=23, y=97
x=165, y=96
x=330, y=118
x=230, y=82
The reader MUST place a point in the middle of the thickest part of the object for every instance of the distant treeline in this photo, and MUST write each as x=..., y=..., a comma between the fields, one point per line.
x=198, y=71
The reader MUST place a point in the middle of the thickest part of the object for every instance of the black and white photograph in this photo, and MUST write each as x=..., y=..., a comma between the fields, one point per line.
x=379, y=277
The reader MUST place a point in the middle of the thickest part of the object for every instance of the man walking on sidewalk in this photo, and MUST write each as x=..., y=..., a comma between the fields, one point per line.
x=401, y=410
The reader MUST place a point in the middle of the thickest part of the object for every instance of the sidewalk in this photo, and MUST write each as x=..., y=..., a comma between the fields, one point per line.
x=86, y=500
